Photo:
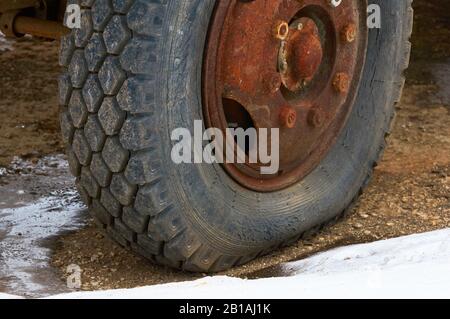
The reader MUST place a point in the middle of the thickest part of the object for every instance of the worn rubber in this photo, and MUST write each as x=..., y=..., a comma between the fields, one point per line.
x=133, y=74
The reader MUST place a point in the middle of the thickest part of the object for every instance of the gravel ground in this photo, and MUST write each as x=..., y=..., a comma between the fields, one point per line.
x=410, y=191
x=29, y=125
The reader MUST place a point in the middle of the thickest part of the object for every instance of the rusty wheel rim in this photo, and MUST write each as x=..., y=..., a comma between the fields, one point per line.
x=298, y=71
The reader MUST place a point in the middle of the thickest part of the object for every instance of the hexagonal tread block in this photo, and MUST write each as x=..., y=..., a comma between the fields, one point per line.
x=111, y=117
x=126, y=231
x=174, y=222
x=77, y=109
x=95, y=52
x=67, y=128
x=143, y=167
x=152, y=199
x=122, y=6
x=111, y=75
x=84, y=33
x=110, y=203
x=87, y=3
x=102, y=11
x=93, y=93
x=74, y=164
x=80, y=147
x=182, y=247
x=100, y=170
x=67, y=46
x=65, y=89
x=149, y=245
x=122, y=190
x=115, y=156
x=83, y=193
x=94, y=133
x=78, y=69
x=135, y=97
x=116, y=34
x=137, y=222
x=139, y=56
x=99, y=212
x=89, y=183
x=136, y=133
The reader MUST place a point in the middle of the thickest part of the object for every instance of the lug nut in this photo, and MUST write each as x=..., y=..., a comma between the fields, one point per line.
x=282, y=30
x=348, y=33
x=341, y=82
x=288, y=117
x=315, y=118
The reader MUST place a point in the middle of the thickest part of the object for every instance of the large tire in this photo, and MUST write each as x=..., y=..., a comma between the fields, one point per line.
x=133, y=74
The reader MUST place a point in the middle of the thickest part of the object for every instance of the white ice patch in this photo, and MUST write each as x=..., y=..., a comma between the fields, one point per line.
x=22, y=231
x=5, y=44
x=43, y=165
x=6, y=296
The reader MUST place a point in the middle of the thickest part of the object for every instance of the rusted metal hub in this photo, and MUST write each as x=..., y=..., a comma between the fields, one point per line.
x=300, y=55
x=287, y=64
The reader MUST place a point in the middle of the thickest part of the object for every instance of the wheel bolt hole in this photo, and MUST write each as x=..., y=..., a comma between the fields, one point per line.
x=282, y=30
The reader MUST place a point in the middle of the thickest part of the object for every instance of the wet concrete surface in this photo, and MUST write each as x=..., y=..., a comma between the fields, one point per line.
x=37, y=203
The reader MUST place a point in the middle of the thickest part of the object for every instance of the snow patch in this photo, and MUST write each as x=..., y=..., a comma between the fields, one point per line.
x=22, y=250
x=5, y=44
x=416, y=266
x=6, y=296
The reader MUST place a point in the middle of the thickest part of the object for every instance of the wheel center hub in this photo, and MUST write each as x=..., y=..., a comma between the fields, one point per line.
x=300, y=54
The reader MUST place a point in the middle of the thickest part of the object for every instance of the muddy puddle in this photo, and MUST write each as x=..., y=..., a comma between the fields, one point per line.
x=37, y=203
